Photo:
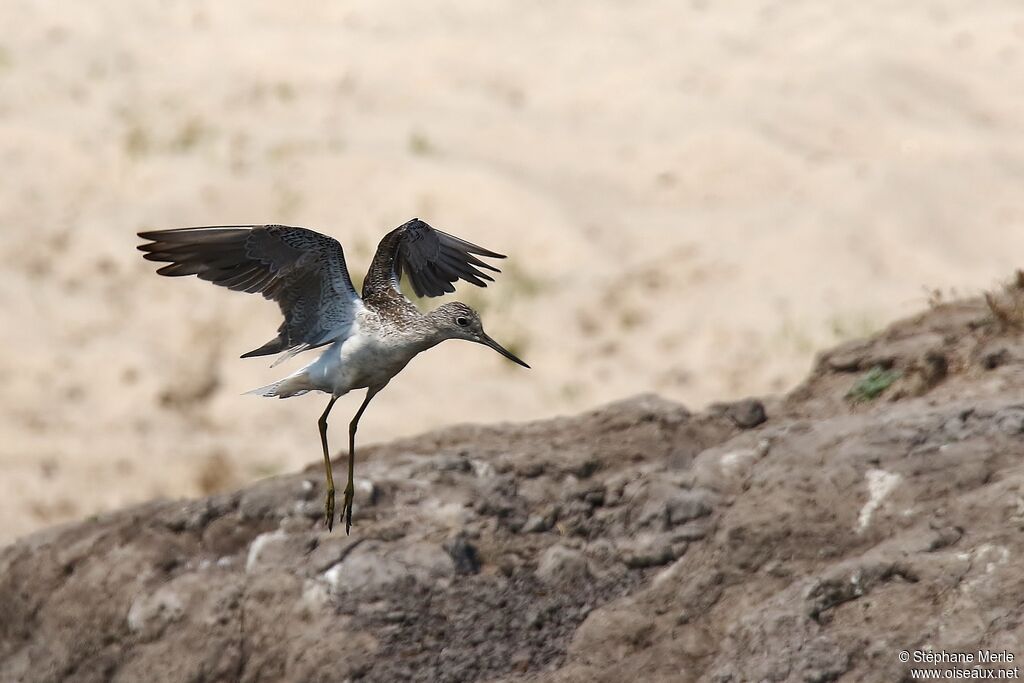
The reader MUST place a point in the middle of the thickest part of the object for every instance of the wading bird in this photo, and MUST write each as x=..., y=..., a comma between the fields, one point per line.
x=369, y=338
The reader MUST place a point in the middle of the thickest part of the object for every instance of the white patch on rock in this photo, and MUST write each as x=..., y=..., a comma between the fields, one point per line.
x=992, y=555
x=482, y=469
x=257, y=546
x=880, y=485
x=669, y=573
x=738, y=458
x=163, y=606
x=984, y=560
x=314, y=596
x=333, y=575
x=855, y=581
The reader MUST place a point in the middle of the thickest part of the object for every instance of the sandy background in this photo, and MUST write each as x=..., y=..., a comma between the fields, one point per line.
x=693, y=196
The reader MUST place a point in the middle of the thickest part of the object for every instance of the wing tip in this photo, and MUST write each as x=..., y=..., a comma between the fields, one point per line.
x=168, y=270
x=171, y=233
x=480, y=251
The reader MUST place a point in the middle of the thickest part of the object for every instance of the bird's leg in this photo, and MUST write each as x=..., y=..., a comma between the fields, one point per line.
x=350, y=487
x=329, y=501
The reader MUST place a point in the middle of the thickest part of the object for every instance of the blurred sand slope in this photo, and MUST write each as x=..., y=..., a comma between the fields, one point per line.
x=693, y=196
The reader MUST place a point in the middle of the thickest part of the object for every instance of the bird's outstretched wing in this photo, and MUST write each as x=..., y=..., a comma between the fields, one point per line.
x=302, y=270
x=431, y=260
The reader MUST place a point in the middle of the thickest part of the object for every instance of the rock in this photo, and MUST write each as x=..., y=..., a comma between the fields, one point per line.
x=726, y=469
x=994, y=358
x=651, y=550
x=269, y=548
x=686, y=546
x=1011, y=420
x=535, y=524
x=464, y=555
x=747, y=413
x=667, y=506
x=693, y=530
x=150, y=613
x=559, y=564
x=374, y=565
x=848, y=357
x=686, y=505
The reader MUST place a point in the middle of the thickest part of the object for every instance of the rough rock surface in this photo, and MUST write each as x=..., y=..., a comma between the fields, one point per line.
x=810, y=538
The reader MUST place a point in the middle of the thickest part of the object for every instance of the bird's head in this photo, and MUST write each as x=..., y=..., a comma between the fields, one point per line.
x=456, y=320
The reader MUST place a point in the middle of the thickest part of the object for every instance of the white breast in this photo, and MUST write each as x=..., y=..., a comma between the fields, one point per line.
x=366, y=358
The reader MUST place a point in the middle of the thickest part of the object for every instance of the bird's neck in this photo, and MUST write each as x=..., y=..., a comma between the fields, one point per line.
x=434, y=331
x=419, y=331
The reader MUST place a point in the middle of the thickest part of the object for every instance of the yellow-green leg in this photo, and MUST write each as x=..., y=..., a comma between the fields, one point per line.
x=350, y=487
x=329, y=501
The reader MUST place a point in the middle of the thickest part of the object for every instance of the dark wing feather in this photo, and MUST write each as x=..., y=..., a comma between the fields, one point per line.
x=431, y=260
x=302, y=270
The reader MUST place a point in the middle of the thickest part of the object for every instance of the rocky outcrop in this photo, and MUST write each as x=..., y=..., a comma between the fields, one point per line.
x=875, y=509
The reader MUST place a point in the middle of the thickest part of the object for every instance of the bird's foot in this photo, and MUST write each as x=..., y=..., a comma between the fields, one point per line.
x=329, y=509
x=346, y=506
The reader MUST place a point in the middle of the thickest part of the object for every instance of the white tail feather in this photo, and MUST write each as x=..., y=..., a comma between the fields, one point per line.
x=290, y=353
x=294, y=385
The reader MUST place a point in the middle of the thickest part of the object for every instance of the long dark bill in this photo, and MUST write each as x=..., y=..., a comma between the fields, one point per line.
x=487, y=341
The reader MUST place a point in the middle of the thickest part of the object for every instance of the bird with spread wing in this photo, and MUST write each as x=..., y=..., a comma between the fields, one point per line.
x=368, y=338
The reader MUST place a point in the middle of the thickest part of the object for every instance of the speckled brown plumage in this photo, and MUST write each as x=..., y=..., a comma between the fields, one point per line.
x=369, y=339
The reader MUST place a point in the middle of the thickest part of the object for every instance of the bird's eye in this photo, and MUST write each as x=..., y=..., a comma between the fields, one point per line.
x=461, y=321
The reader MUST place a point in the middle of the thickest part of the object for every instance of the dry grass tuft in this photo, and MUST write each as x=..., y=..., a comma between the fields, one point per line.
x=1007, y=305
